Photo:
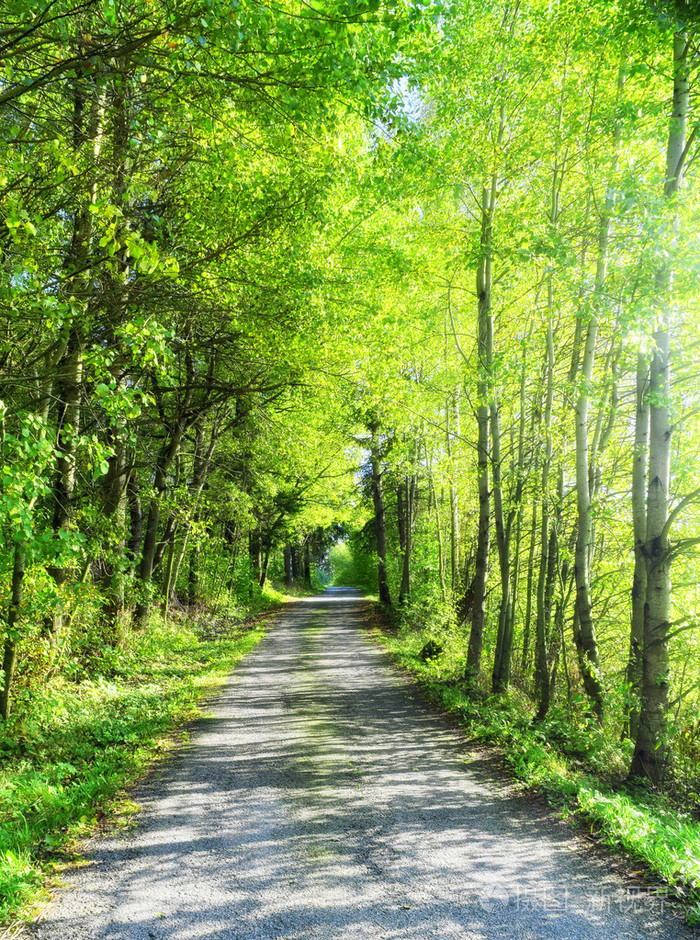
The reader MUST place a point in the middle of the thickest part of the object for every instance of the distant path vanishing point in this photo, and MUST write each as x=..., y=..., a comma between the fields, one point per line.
x=319, y=799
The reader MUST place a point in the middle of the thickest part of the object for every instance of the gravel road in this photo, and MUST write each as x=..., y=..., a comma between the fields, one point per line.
x=319, y=799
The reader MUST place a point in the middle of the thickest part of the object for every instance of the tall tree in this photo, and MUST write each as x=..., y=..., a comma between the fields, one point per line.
x=651, y=751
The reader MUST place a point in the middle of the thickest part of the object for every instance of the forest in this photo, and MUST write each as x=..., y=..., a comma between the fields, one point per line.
x=393, y=293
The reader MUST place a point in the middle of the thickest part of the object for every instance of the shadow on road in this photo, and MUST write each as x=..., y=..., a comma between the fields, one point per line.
x=319, y=800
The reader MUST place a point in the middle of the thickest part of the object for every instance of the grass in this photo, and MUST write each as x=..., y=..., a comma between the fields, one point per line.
x=571, y=762
x=73, y=747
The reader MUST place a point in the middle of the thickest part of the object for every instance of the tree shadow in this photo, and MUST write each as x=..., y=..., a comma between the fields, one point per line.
x=319, y=799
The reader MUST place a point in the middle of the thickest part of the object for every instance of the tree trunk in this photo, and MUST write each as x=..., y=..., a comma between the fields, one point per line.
x=288, y=566
x=264, y=566
x=68, y=390
x=519, y=471
x=150, y=540
x=589, y=661
x=177, y=549
x=529, y=591
x=69, y=377
x=639, y=521
x=307, y=561
x=547, y=536
x=587, y=645
x=504, y=527
x=193, y=577
x=556, y=574
x=440, y=542
x=406, y=514
x=170, y=530
x=542, y=623
x=454, y=504
x=255, y=556
x=114, y=508
x=133, y=545
x=504, y=638
x=651, y=752
x=379, y=517
x=9, y=658
x=484, y=286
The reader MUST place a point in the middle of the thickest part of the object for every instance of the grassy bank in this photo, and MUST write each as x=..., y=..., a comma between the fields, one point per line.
x=72, y=747
x=570, y=760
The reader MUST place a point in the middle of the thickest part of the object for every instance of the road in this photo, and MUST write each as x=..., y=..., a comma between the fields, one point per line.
x=319, y=799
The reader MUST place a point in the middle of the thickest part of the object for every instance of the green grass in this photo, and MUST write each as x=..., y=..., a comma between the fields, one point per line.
x=573, y=763
x=73, y=747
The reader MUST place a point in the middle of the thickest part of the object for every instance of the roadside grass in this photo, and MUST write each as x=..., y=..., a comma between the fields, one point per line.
x=571, y=762
x=74, y=746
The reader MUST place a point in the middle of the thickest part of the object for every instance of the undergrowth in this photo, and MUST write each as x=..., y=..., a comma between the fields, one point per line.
x=567, y=757
x=75, y=744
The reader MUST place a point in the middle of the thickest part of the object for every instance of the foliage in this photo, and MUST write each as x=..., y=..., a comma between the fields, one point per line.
x=351, y=568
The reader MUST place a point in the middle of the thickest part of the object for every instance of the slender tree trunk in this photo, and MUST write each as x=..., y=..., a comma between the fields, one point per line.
x=264, y=567
x=481, y=562
x=406, y=502
x=150, y=538
x=9, y=658
x=547, y=651
x=401, y=514
x=288, y=569
x=307, y=561
x=233, y=539
x=515, y=567
x=548, y=538
x=170, y=530
x=516, y=513
x=639, y=521
x=68, y=391
x=504, y=527
x=529, y=591
x=379, y=517
x=114, y=508
x=255, y=556
x=557, y=575
x=133, y=545
x=440, y=541
x=589, y=661
x=454, y=504
x=235, y=548
x=587, y=644
x=504, y=638
x=175, y=547
x=178, y=552
x=69, y=377
x=484, y=287
x=566, y=586
x=651, y=753
x=542, y=624
x=193, y=577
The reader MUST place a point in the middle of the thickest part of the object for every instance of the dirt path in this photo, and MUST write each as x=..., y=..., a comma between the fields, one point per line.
x=320, y=800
